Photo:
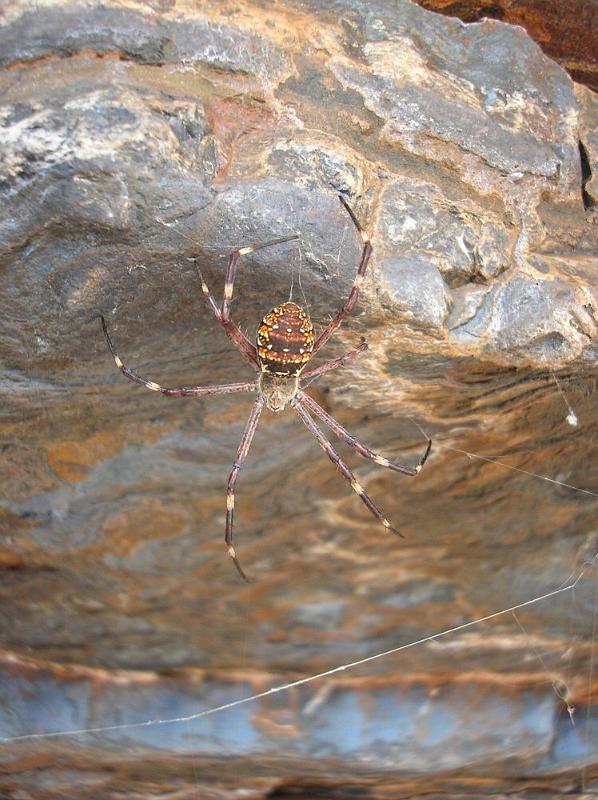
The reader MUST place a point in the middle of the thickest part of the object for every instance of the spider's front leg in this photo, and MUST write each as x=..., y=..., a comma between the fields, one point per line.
x=354, y=293
x=222, y=313
x=232, y=479
x=181, y=391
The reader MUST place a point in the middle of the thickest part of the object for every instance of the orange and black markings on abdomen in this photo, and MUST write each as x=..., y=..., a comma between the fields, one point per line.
x=285, y=340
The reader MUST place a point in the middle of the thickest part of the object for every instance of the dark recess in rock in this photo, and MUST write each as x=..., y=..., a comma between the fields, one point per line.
x=586, y=176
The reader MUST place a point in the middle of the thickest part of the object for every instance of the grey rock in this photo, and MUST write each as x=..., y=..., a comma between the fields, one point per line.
x=417, y=289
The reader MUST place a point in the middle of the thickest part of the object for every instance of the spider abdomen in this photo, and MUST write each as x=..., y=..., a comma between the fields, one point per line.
x=285, y=340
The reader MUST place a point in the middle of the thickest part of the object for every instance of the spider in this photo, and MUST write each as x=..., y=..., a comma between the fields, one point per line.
x=285, y=345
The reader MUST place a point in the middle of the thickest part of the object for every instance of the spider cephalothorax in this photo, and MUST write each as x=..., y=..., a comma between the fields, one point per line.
x=277, y=390
x=285, y=345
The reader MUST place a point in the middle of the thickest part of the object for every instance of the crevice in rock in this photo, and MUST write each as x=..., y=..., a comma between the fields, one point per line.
x=586, y=175
x=297, y=790
x=466, y=13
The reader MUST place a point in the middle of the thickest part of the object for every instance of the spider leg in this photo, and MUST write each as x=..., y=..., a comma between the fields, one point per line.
x=334, y=363
x=237, y=337
x=344, y=434
x=222, y=313
x=354, y=293
x=182, y=391
x=341, y=466
x=232, y=265
x=232, y=479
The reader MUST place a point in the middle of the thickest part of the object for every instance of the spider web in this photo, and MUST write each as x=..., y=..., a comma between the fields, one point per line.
x=560, y=688
x=570, y=585
x=587, y=572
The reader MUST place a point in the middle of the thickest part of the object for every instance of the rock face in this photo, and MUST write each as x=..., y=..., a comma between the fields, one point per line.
x=566, y=30
x=139, y=141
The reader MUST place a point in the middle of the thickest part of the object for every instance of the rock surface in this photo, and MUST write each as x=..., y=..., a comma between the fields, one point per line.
x=138, y=140
x=566, y=30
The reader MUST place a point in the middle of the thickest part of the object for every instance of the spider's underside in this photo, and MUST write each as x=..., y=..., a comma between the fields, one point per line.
x=285, y=345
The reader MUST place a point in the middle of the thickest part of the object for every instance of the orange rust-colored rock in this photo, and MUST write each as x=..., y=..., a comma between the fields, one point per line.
x=71, y=460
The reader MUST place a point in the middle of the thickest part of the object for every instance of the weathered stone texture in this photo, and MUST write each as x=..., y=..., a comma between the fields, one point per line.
x=138, y=138
x=565, y=29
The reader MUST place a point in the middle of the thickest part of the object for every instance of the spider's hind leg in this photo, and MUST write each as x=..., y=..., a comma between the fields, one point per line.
x=232, y=479
x=364, y=451
x=229, y=281
x=342, y=467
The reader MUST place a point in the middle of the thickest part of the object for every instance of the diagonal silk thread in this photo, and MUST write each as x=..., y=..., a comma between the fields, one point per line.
x=285, y=686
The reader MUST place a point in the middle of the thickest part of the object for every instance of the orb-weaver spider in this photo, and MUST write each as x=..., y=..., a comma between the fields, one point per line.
x=285, y=345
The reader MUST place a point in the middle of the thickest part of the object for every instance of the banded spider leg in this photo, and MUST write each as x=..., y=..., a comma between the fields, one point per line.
x=302, y=402
x=353, y=442
x=222, y=313
x=232, y=479
x=341, y=466
x=335, y=363
x=181, y=391
x=354, y=293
